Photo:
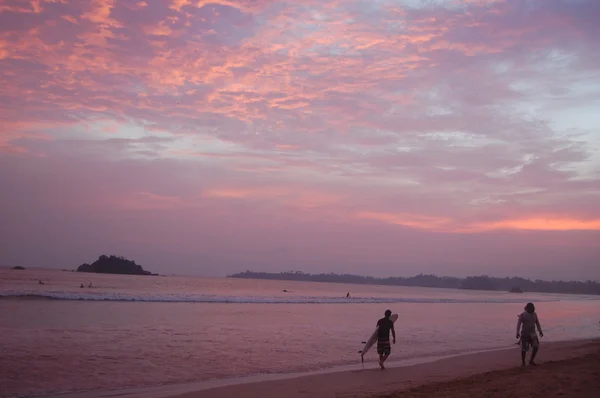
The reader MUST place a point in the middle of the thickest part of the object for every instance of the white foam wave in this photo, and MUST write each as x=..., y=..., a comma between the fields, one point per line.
x=191, y=298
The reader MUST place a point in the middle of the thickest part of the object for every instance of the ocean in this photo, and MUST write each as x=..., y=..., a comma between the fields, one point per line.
x=134, y=331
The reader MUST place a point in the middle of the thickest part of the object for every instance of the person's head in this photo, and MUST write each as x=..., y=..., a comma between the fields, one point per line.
x=530, y=308
x=388, y=313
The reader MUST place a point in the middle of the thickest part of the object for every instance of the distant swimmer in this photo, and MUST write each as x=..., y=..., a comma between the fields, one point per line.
x=526, y=325
x=90, y=285
x=384, y=349
x=40, y=282
x=82, y=286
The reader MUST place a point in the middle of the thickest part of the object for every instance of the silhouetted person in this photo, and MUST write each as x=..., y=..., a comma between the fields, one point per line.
x=347, y=294
x=40, y=282
x=90, y=285
x=384, y=349
x=526, y=325
x=82, y=286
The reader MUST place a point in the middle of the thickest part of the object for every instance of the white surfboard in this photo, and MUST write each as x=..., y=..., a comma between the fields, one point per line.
x=373, y=339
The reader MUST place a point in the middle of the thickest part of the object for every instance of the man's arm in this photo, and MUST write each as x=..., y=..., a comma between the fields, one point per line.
x=519, y=322
x=394, y=333
x=539, y=327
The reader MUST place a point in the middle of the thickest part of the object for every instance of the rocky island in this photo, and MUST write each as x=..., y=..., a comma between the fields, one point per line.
x=114, y=265
x=18, y=267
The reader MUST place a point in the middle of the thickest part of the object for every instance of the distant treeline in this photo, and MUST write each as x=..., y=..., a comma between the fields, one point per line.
x=483, y=282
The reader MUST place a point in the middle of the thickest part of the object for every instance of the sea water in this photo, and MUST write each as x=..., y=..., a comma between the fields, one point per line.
x=133, y=331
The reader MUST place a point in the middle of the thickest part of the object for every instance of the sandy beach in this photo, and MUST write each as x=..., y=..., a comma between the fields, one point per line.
x=575, y=377
x=565, y=369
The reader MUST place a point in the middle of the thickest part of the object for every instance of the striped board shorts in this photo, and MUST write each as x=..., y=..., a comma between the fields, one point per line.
x=529, y=340
x=384, y=347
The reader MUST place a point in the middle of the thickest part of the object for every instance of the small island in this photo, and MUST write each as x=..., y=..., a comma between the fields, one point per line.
x=515, y=289
x=18, y=267
x=114, y=265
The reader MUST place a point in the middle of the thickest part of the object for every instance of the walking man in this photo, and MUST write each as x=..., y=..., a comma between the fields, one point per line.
x=526, y=325
x=384, y=349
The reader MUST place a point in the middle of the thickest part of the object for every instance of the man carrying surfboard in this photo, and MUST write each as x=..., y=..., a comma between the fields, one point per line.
x=384, y=349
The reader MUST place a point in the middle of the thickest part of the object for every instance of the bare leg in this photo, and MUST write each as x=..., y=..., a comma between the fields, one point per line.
x=523, y=354
x=381, y=360
x=533, y=354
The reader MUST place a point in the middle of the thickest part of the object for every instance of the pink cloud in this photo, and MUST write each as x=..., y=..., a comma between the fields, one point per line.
x=270, y=120
x=538, y=223
x=146, y=201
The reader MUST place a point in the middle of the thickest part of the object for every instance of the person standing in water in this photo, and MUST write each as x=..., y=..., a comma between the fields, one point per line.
x=526, y=325
x=384, y=349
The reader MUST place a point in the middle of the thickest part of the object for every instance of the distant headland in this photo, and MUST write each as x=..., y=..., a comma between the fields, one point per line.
x=484, y=282
x=114, y=265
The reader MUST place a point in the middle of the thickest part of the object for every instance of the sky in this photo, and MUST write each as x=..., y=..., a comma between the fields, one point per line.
x=375, y=137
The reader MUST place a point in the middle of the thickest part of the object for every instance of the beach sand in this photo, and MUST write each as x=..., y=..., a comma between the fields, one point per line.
x=565, y=369
x=576, y=377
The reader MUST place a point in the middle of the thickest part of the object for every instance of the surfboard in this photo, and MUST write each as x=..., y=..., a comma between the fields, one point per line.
x=373, y=339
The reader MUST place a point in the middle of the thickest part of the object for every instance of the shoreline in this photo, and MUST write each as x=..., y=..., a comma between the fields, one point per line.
x=381, y=281
x=578, y=377
x=364, y=379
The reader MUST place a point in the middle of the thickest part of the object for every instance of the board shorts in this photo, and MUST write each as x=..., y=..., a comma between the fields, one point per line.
x=529, y=340
x=384, y=347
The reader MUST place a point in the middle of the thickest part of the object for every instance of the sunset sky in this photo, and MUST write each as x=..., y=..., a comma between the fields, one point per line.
x=377, y=137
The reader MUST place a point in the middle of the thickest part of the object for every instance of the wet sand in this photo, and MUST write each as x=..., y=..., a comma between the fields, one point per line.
x=565, y=369
x=576, y=377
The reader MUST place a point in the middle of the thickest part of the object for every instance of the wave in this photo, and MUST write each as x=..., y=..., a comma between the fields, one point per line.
x=183, y=298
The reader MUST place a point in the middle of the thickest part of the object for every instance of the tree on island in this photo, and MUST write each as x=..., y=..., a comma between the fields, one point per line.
x=483, y=282
x=18, y=267
x=113, y=265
